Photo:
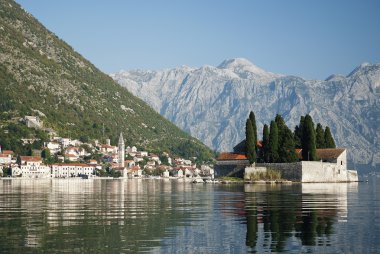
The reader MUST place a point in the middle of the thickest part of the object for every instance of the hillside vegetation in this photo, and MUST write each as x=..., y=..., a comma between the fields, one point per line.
x=39, y=71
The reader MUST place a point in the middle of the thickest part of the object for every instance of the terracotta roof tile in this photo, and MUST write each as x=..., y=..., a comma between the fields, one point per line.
x=231, y=156
x=31, y=158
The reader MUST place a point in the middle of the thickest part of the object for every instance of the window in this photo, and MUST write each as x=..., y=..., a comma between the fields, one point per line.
x=341, y=162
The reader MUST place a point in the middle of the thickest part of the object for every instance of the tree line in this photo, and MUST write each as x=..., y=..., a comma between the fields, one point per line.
x=279, y=142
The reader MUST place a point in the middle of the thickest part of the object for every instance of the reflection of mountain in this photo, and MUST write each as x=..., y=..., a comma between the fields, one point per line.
x=276, y=215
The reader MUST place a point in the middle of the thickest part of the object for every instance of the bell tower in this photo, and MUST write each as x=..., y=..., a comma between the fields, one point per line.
x=121, y=151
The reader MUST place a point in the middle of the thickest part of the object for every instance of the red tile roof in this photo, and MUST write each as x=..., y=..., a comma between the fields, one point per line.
x=231, y=156
x=72, y=164
x=31, y=158
x=8, y=152
x=327, y=153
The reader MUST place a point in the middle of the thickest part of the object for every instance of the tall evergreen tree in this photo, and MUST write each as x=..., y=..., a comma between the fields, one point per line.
x=298, y=133
x=286, y=149
x=250, y=142
x=320, y=136
x=252, y=118
x=265, y=149
x=309, y=151
x=273, y=142
x=329, y=140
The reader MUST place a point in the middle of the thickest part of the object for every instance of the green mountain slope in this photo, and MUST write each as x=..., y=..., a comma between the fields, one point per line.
x=39, y=71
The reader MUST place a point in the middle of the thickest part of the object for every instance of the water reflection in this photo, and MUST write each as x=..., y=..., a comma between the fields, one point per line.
x=281, y=218
x=129, y=216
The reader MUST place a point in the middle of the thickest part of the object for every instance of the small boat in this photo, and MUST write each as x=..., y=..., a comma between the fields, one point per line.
x=198, y=180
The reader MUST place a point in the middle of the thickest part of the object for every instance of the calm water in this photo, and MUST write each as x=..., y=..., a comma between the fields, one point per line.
x=162, y=216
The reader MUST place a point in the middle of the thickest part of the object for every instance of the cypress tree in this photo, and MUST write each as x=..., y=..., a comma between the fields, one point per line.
x=250, y=142
x=286, y=149
x=320, y=136
x=265, y=153
x=329, y=140
x=298, y=133
x=252, y=118
x=273, y=142
x=309, y=151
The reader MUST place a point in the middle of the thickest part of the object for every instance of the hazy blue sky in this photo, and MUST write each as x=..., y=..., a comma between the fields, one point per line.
x=311, y=39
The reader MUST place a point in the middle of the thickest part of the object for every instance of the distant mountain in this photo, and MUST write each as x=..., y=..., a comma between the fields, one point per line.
x=41, y=73
x=212, y=103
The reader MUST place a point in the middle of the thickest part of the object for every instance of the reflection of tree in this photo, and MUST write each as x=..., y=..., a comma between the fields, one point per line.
x=251, y=228
x=283, y=216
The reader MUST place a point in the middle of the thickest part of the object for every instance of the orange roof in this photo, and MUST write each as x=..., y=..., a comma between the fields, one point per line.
x=107, y=146
x=31, y=158
x=4, y=155
x=299, y=153
x=329, y=153
x=72, y=164
x=135, y=168
x=231, y=156
x=8, y=152
x=71, y=155
x=326, y=153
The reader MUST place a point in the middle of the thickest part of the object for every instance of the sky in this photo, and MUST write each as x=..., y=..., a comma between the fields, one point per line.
x=310, y=39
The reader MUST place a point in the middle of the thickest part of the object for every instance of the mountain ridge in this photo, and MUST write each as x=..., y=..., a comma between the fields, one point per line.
x=213, y=105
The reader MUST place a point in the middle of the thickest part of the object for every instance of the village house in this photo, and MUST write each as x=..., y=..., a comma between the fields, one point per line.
x=5, y=159
x=62, y=170
x=53, y=146
x=134, y=171
x=108, y=149
x=33, y=122
x=31, y=167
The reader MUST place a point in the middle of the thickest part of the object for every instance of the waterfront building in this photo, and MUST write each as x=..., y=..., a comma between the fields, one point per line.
x=63, y=170
x=31, y=167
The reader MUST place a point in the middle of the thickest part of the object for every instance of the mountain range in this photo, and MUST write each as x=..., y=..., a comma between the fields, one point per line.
x=213, y=103
x=42, y=75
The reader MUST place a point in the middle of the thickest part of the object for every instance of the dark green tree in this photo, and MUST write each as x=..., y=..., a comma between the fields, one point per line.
x=286, y=147
x=265, y=149
x=329, y=140
x=252, y=118
x=298, y=133
x=250, y=142
x=320, y=137
x=45, y=153
x=273, y=142
x=287, y=152
x=18, y=160
x=309, y=151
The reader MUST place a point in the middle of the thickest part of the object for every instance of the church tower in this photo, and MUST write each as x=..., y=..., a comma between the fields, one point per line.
x=121, y=151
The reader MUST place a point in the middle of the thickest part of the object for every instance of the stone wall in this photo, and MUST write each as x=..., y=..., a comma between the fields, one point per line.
x=253, y=170
x=289, y=171
x=308, y=171
x=316, y=171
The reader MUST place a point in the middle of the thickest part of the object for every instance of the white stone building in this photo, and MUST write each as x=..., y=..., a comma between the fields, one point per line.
x=31, y=167
x=63, y=170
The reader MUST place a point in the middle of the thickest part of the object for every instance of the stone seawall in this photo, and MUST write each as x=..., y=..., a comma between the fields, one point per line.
x=289, y=171
x=307, y=171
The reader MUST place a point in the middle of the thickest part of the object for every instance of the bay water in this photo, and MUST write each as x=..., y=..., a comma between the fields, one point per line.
x=171, y=216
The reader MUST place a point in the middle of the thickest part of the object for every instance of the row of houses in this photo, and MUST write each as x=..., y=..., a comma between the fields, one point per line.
x=32, y=167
